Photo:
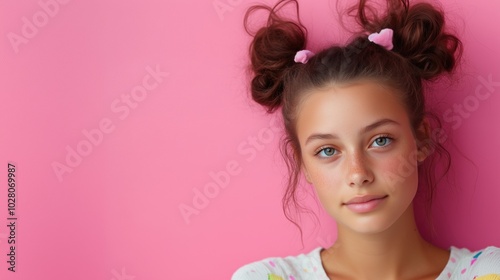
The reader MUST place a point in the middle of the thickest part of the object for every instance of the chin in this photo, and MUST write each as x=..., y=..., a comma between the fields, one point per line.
x=396, y=211
x=371, y=226
x=374, y=222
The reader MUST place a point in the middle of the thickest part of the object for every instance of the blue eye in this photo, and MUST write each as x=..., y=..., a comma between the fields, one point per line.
x=326, y=152
x=382, y=141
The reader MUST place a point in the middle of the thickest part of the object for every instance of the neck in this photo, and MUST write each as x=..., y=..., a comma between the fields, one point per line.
x=391, y=254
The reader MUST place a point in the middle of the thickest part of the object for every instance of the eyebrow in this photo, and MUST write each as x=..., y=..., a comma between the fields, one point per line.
x=326, y=136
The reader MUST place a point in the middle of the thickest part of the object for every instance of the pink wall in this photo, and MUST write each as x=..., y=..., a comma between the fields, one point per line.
x=160, y=88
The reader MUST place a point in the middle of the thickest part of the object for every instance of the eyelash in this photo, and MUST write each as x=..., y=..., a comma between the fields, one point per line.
x=383, y=136
x=386, y=137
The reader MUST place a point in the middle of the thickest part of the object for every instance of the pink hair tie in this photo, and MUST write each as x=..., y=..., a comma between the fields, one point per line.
x=382, y=38
x=303, y=56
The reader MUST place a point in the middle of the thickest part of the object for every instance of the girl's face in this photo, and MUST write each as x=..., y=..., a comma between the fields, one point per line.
x=359, y=152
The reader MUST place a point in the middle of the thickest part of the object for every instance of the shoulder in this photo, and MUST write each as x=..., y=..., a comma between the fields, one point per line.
x=303, y=266
x=480, y=264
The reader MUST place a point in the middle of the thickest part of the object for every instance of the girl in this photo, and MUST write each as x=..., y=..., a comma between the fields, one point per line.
x=354, y=115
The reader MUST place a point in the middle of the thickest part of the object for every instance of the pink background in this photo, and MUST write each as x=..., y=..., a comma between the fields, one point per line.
x=116, y=214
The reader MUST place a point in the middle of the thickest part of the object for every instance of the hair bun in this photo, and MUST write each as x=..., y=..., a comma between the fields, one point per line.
x=272, y=53
x=421, y=38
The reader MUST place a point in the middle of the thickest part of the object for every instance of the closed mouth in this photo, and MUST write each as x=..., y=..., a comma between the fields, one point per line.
x=364, y=199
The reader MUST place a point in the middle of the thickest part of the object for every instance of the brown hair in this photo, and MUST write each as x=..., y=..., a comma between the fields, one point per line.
x=422, y=51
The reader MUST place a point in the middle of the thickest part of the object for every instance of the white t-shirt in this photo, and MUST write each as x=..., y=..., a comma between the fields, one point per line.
x=462, y=264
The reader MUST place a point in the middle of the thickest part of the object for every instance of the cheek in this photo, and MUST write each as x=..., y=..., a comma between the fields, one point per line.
x=399, y=171
x=327, y=182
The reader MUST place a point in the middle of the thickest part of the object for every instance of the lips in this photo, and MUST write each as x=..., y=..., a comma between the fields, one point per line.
x=363, y=199
x=364, y=204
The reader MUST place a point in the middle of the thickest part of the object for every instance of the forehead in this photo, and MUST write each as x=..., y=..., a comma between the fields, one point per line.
x=348, y=108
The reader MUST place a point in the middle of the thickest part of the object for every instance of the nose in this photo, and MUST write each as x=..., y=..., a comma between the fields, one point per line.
x=359, y=172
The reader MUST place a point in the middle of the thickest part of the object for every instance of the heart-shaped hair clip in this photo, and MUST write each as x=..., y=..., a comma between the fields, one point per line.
x=303, y=56
x=382, y=38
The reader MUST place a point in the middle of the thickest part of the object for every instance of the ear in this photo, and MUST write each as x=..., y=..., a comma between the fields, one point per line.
x=423, y=137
